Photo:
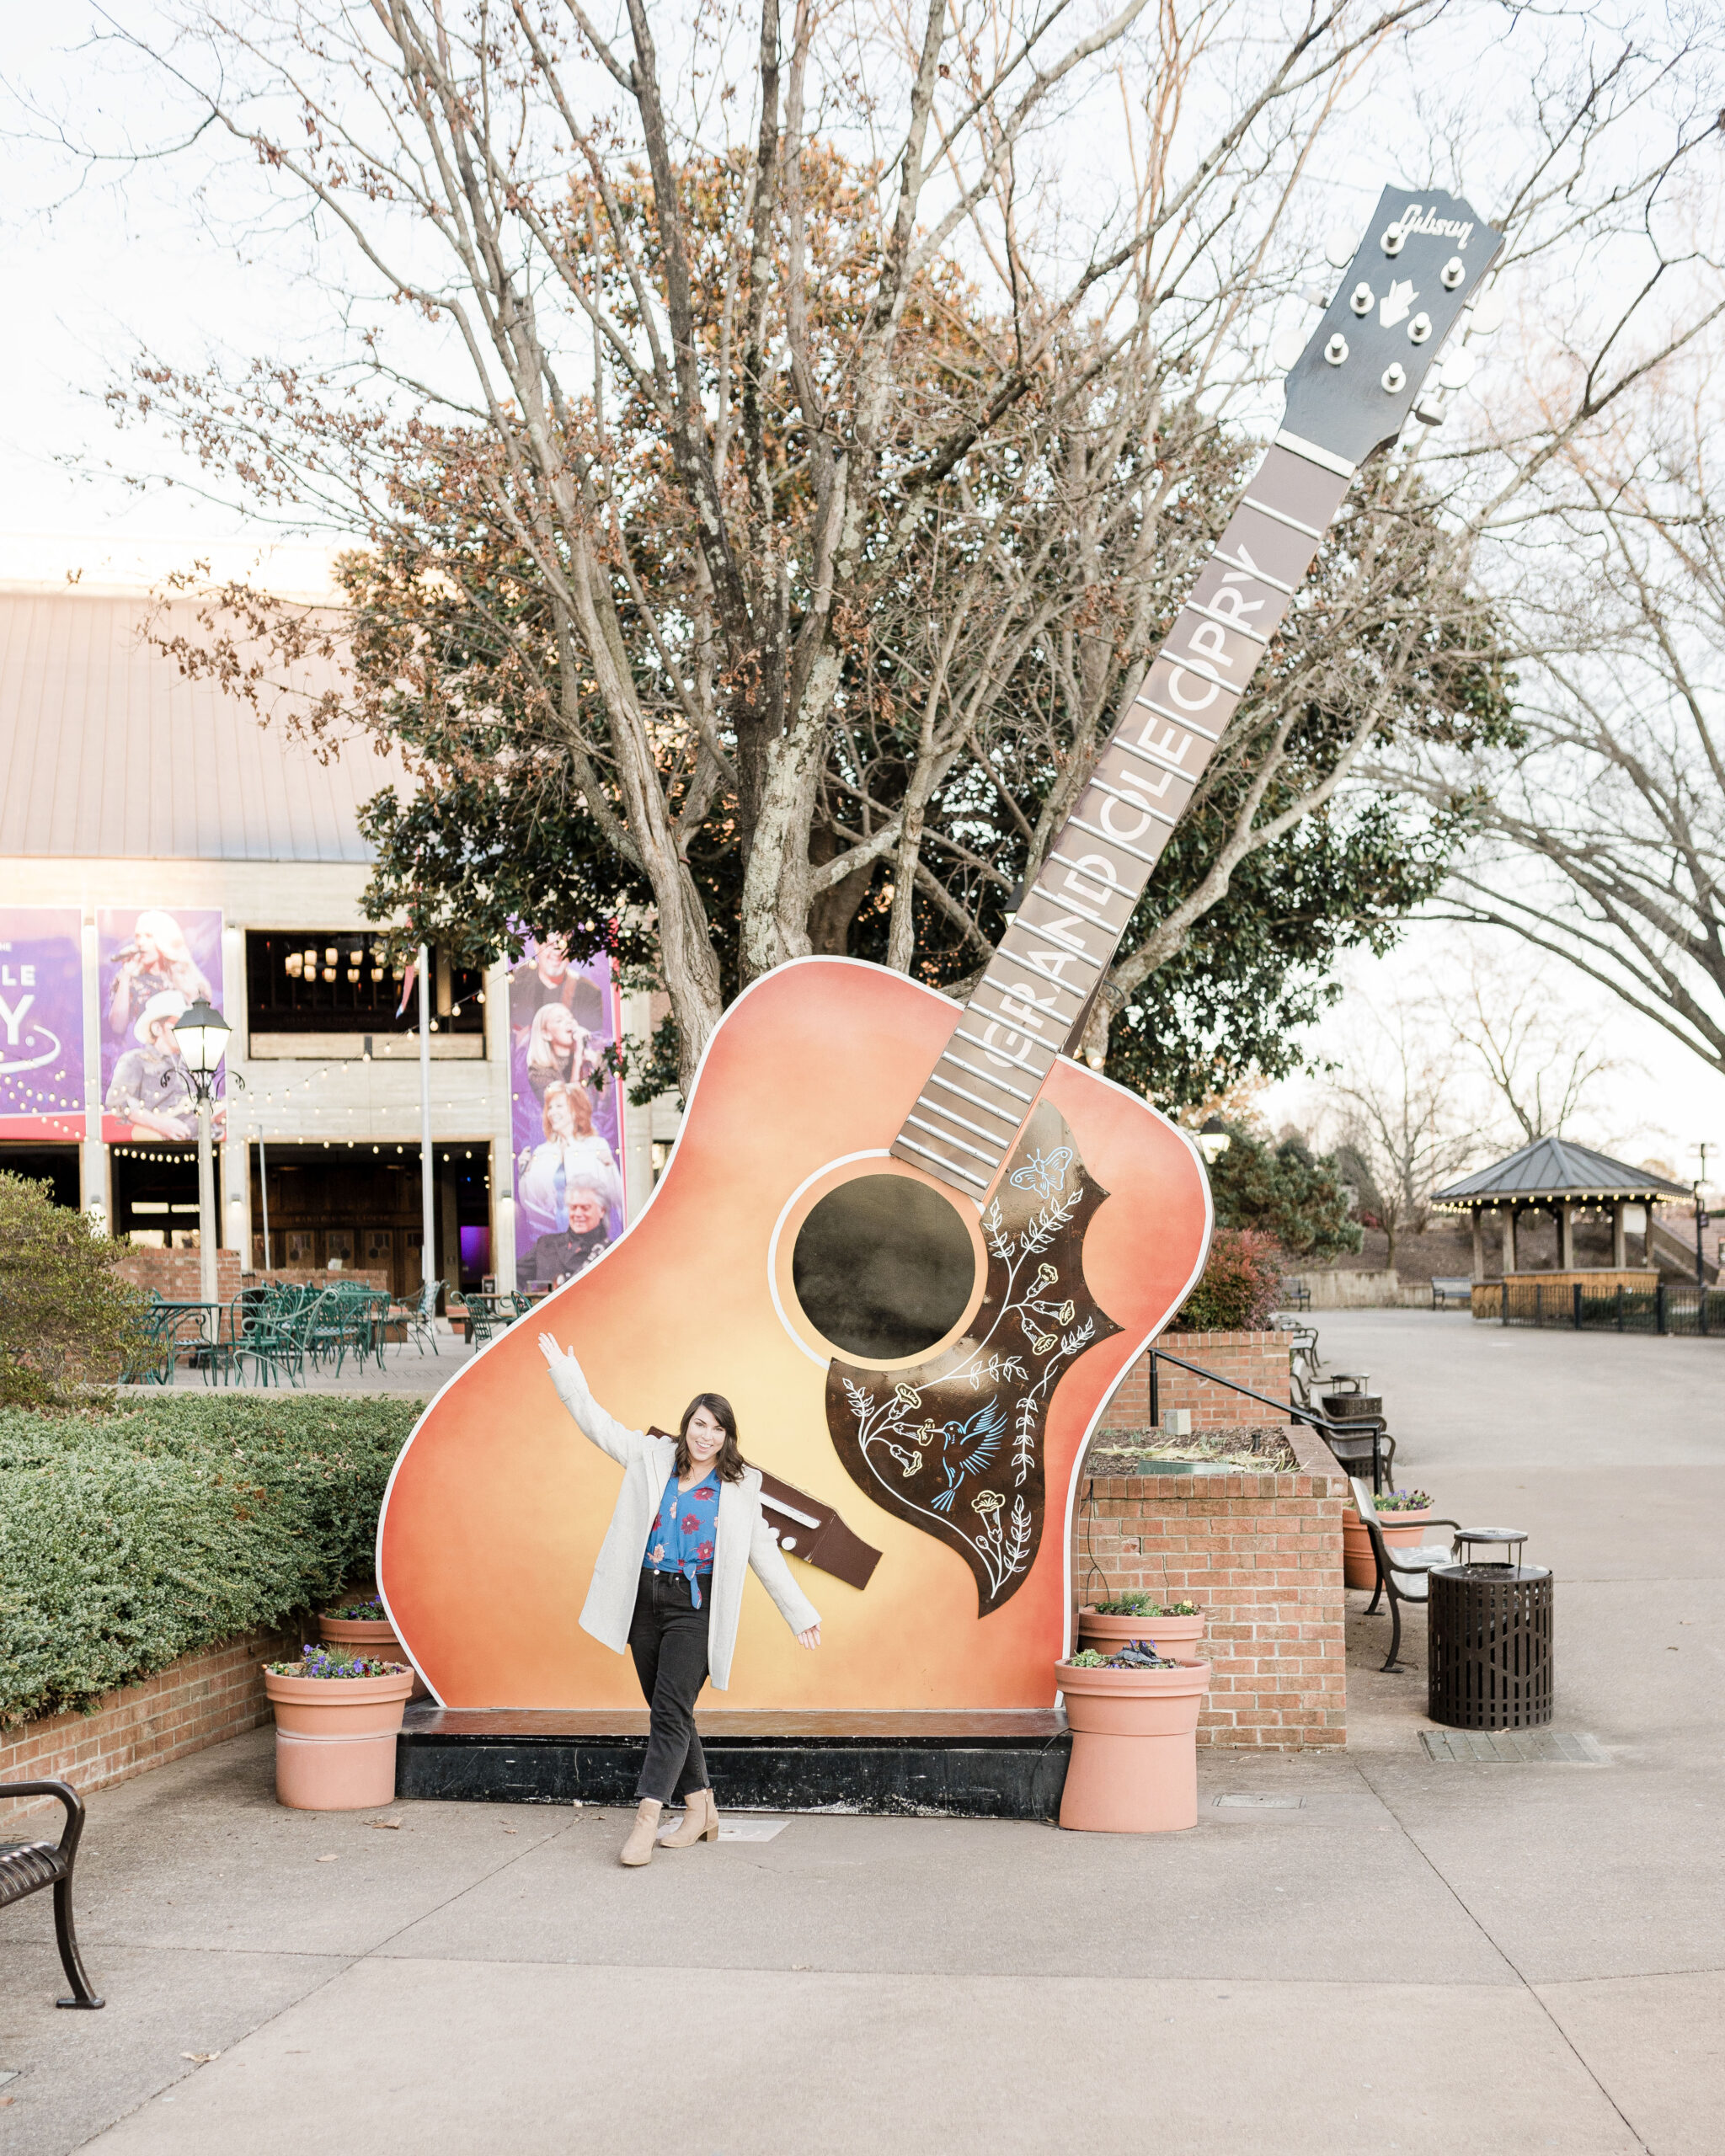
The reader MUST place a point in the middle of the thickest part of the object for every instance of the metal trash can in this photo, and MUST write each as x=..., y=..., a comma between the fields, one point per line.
x=1488, y=1657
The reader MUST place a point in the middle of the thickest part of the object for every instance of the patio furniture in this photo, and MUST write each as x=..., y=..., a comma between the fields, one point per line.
x=1402, y=1573
x=420, y=1316
x=1302, y=1355
x=272, y=1338
x=489, y=1314
x=1488, y=1652
x=1452, y=1288
x=1294, y=1294
x=27, y=1867
x=1364, y=1442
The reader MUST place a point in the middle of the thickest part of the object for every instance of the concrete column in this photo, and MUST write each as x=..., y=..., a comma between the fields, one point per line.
x=1509, y=1240
x=636, y=1162
x=1566, y=1233
x=1620, y=1241
x=449, y=1255
x=236, y=1148
x=503, y=1169
x=93, y=1155
x=1479, y=1242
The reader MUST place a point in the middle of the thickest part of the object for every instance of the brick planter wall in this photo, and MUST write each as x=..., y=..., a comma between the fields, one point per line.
x=1260, y=1359
x=174, y=1273
x=1261, y=1555
x=196, y=1702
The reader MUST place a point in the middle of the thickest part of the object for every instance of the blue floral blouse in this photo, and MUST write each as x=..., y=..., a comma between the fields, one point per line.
x=684, y=1529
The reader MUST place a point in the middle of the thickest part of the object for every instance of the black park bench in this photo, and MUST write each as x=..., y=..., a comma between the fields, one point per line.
x=27, y=1867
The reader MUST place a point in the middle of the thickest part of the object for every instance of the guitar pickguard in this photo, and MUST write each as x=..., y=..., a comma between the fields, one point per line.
x=955, y=1446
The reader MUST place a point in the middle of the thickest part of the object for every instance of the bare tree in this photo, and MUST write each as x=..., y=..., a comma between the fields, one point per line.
x=1538, y=1057
x=1398, y=1102
x=802, y=446
x=1601, y=831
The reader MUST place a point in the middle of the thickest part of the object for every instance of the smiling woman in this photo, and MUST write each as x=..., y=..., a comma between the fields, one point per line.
x=689, y=1513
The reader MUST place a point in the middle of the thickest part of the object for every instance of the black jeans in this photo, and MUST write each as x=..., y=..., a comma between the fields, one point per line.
x=668, y=1639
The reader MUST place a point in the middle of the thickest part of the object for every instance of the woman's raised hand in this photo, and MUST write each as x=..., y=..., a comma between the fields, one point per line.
x=557, y=1358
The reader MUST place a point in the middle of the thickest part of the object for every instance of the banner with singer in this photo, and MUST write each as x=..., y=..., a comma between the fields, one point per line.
x=41, y=1024
x=151, y=966
x=566, y=1111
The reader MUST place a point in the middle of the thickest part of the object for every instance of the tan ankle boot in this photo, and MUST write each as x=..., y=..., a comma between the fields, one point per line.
x=700, y=1823
x=638, y=1847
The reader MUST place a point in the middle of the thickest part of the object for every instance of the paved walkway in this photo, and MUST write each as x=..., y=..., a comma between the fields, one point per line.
x=1408, y=1955
x=408, y=1368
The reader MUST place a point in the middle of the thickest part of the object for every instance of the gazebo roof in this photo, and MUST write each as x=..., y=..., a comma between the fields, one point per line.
x=1556, y=1167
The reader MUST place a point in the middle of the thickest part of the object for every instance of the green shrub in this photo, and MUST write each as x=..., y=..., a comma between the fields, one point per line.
x=129, y=1539
x=66, y=1323
x=1286, y=1192
x=1241, y=1282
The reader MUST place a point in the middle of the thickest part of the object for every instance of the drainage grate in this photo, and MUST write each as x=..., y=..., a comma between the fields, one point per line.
x=1515, y=1746
x=1245, y=1803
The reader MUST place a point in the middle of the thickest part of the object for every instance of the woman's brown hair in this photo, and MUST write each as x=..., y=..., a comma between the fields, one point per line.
x=729, y=1465
x=580, y=1108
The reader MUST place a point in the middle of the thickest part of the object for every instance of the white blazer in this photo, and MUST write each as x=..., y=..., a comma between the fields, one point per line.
x=743, y=1538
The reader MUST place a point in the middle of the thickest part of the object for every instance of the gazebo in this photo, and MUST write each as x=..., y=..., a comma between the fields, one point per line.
x=1553, y=1175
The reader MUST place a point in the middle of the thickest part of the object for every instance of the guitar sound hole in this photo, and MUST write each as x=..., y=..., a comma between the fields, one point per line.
x=883, y=1268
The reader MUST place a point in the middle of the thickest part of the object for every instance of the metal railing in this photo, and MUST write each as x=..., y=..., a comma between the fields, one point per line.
x=1372, y=1427
x=1669, y=1307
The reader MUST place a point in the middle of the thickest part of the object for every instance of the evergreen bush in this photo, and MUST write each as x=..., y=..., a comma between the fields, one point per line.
x=66, y=1321
x=129, y=1539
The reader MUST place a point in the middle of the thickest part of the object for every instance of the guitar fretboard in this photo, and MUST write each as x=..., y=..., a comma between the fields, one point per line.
x=1058, y=949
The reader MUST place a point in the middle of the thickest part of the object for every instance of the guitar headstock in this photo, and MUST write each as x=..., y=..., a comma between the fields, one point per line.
x=1422, y=258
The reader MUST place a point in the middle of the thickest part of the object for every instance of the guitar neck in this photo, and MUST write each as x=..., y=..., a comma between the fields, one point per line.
x=1055, y=955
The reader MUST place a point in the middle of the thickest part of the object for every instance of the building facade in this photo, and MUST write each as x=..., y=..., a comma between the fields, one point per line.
x=158, y=841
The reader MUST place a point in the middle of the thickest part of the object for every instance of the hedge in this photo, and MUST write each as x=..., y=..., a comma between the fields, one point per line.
x=129, y=1539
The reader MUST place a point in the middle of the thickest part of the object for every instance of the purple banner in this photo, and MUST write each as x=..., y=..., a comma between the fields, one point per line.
x=565, y=1114
x=150, y=967
x=41, y=1024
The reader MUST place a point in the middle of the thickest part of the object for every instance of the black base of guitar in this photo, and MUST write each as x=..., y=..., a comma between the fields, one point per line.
x=951, y=1766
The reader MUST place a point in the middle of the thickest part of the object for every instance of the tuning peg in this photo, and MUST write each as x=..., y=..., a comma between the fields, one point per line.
x=1339, y=247
x=1458, y=370
x=1430, y=410
x=1286, y=346
x=1316, y=295
x=1488, y=313
x=1362, y=299
x=1336, y=351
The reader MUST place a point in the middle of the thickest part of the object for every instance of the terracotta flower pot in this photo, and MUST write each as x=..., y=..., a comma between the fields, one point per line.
x=1177, y=1637
x=335, y=1739
x=1133, y=1768
x=1400, y=1529
x=373, y=1637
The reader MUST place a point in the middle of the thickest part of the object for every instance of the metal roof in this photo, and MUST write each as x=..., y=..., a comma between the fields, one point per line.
x=108, y=751
x=1556, y=1167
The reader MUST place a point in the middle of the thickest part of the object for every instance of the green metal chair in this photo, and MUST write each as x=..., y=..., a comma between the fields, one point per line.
x=422, y=1316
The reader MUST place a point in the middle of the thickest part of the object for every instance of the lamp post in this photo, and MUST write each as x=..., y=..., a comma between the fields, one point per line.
x=1214, y=1138
x=202, y=1034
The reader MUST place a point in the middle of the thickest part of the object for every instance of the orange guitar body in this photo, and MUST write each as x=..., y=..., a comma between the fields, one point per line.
x=497, y=1505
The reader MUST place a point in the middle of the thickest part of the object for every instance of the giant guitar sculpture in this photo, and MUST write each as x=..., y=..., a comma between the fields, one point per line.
x=917, y=1246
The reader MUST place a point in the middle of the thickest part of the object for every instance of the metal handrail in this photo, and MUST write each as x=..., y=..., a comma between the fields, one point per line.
x=1324, y=1425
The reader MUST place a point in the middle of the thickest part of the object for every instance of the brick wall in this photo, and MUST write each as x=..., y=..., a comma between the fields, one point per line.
x=286, y=1276
x=197, y=1701
x=1260, y=1359
x=1261, y=1555
x=174, y=1273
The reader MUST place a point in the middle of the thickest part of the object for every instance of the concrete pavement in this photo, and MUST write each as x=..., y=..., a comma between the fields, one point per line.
x=1404, y=1955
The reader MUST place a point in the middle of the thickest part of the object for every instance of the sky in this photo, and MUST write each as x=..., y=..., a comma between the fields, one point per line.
x=97, y=273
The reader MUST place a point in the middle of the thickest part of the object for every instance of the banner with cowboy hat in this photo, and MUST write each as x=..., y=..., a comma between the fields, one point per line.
x=152, y=964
